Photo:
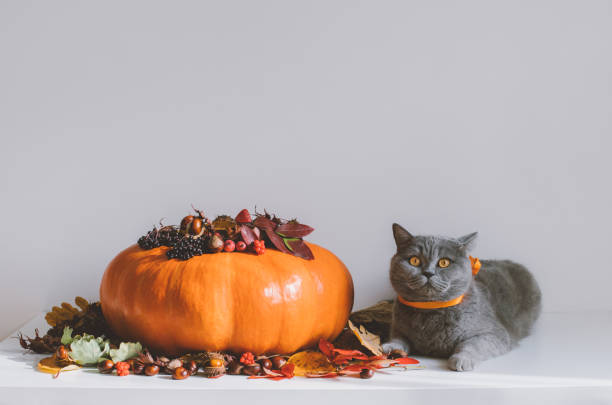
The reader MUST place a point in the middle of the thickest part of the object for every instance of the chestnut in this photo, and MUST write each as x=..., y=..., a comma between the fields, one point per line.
x=266, y=363
x=278, y=362
x=366, y=373
x=106, y=366
x=180, y=373
x=196, y=226
x=186, y=222
x=61, y=353
x=252, y=369
x=191, y=366
x=151, y=370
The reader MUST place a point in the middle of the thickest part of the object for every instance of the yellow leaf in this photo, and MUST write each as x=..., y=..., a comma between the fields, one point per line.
x=49, y=365
x=309, y=362
x=367, y=339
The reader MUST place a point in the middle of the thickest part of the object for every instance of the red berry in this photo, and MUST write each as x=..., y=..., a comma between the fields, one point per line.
x=241, y=246
x=247, y=358
x=229, y=245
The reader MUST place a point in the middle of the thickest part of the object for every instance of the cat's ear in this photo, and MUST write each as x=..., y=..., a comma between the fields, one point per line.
x=401, y=235
x=468, y=242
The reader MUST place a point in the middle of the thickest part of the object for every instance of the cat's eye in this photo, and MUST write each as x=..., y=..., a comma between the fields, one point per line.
x=444, y=263
x=414, y=261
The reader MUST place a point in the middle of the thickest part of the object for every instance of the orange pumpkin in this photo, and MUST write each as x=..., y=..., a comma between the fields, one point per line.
x=273, y=303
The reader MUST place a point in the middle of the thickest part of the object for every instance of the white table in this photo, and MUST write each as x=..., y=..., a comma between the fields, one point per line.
x=567, y=360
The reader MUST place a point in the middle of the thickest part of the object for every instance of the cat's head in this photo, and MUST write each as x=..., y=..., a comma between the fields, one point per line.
x=430, y=268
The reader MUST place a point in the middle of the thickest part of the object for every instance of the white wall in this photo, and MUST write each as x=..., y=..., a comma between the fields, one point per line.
x=447, y=117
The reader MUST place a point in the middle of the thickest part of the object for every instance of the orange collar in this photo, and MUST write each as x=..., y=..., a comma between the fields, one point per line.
x=442, y=304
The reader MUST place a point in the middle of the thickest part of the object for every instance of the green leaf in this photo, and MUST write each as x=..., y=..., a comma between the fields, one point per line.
x=89, y=350
x=67, y=336
x=287, y=240
x=125, y=351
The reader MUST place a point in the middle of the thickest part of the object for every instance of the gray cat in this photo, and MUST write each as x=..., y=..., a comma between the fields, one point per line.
x=499, y=305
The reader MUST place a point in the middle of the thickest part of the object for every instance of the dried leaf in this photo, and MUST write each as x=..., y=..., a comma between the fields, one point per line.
x=82, y=303
x=277, y=241
x=300, y=249
x=326, y=348
x=310, y=362
x=66, y=312
x=248, y=235
x=50, y=366
x=369, y=340
x=225, y=223
x=294, y=230
x=264, y=223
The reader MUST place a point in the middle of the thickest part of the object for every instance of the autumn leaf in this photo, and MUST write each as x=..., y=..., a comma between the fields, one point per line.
x=264, y=223
x=294, y=230
x=248, y=235
x=49, y=365
x=300, y=248
x=406, y=360
x=326, y=348
x=369, y=340
x=310, y=362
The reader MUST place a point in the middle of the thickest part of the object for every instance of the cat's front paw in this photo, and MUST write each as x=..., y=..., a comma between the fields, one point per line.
x=461, y=362
x=395, y=344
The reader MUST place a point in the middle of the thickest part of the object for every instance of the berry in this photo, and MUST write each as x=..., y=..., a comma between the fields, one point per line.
x=243, y=217
x=259, y=246
x=166, y=236
x=247, y=358
x=229, y=245
x=186, y=248
x=241, y=246
x=123, y=368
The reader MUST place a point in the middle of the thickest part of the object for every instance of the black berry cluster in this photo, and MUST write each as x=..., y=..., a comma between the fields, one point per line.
x=187, y=247
x=166, y=236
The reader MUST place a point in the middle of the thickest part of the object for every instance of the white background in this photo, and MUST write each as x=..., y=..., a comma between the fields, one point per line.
x=447, y=117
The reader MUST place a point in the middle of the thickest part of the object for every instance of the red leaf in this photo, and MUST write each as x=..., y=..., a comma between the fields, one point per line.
x=264, y=223
x=300, y=249
x=276, y=240
x=248, y=235
x=354, y=353
x=287, y=370
x=243, y=217
x=326, y=348
x=294, y=230
x=406, y=360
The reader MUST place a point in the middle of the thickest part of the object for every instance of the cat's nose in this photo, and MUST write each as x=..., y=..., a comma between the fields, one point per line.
x=428, y=273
